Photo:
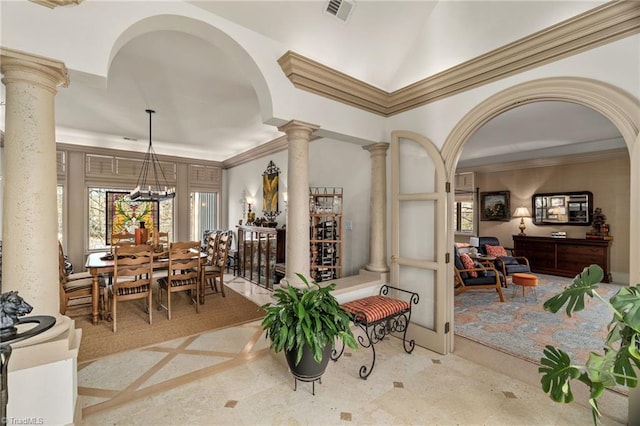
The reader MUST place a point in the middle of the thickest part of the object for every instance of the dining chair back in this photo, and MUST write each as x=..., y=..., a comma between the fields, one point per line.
x=184, y=274
x=122, y=239
x=76, y=287
x=218, y=247
x=132, y=278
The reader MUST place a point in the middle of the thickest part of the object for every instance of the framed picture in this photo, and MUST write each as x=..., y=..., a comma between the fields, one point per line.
x=270, y=191
x=126, y=215
x=557, y=201
x=495, y=206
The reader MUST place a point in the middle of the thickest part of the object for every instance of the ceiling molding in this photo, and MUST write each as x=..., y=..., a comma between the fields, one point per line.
x=269, y=148
x=604, y=24
x=586, y=157
x=55, y=3
x=314, y=77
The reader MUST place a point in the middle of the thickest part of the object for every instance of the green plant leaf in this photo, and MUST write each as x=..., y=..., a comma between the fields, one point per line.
x=557, y=373
x=573, y=296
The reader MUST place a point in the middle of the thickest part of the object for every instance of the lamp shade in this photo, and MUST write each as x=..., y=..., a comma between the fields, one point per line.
x=522, y=212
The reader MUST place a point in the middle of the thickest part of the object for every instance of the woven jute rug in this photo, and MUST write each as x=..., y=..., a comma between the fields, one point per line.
x=134, y=331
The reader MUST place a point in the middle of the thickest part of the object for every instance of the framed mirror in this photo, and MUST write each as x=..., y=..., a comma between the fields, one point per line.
x=562, y=208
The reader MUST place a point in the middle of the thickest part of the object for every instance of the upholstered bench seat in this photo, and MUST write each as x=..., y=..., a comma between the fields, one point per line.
x=379, y=316
x=375, y=308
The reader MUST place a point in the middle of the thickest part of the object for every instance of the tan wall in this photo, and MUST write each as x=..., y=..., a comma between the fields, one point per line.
x=608, y=180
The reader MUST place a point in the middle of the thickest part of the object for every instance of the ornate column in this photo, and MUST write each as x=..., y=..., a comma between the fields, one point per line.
x=48, y=362
x=377, y=231
x=30, y=255
x=297, y=252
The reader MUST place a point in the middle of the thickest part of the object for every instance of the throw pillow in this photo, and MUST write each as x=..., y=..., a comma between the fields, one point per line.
x=468, y=264
x=496, y=251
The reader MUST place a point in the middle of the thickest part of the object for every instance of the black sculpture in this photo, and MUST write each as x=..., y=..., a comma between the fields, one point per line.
x=13, y=306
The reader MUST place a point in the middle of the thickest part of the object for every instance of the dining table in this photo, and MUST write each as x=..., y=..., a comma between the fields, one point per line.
x=103, y=263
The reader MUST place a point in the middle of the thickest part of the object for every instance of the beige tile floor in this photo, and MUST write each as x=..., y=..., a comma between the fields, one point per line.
x=229, y=376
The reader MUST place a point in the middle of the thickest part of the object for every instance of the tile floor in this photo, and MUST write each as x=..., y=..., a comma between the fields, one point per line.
x=229, y=376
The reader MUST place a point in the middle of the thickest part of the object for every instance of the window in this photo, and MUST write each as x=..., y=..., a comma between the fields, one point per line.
x=98, y=215
x=465, y=200
x=60, y=199
x=203, y=213
x=463, y=213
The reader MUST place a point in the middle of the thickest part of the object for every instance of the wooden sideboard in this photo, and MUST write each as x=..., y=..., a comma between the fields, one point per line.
x=566, y=257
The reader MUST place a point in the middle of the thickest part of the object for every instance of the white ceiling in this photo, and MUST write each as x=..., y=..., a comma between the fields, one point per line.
x=211, y=110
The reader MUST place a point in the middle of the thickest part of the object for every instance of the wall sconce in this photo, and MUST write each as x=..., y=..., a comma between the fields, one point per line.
x=522, y=212
x=250, y=215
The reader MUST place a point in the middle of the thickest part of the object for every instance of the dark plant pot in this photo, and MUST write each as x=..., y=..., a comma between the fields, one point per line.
x=308, y=369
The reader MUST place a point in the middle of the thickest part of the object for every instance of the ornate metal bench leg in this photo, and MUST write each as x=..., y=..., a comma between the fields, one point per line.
x=364, y=371
x=411, y=344
x=335, y=355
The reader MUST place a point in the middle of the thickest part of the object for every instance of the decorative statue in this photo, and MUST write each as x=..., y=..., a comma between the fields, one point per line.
x=599, y=219
x=11, y=307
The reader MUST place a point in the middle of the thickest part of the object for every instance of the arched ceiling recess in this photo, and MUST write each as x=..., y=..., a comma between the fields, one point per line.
x=622, y=109
x=209, y=94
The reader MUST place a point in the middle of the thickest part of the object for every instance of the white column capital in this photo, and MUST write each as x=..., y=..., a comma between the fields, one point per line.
x=377, y=149
x=295, y=128
x=45, y=72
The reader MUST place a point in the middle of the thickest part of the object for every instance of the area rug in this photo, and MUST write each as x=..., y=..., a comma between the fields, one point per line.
x=522, y=327
x=135, y=332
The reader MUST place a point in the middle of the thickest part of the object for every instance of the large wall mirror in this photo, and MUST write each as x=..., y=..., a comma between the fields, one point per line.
x=563, y=208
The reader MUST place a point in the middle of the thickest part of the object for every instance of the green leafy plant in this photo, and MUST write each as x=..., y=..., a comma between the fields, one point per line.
x=306, y=316
x=621, y=355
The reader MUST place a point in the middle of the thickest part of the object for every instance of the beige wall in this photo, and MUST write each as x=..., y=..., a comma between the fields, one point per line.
x=608, y=180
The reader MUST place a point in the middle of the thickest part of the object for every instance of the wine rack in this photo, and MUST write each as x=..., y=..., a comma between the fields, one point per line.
x=325, y=227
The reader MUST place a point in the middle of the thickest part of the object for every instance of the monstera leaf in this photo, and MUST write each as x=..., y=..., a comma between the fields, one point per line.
x=621, y=358
x=573, y=296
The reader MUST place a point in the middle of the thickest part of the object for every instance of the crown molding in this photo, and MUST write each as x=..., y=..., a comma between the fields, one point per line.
x=51, y=4
x=271, y=147
x=586, y=157
x=604, y=24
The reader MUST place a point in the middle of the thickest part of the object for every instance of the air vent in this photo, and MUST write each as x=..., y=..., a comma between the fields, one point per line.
x=341, y=9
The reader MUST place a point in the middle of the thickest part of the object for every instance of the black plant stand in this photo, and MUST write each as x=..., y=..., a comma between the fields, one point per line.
x=10, y=335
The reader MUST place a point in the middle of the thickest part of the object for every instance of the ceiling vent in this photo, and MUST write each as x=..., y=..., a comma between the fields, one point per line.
x=341, y=9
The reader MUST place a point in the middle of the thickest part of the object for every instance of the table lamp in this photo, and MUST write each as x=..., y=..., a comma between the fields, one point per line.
x=522, y=212
x=474, y=242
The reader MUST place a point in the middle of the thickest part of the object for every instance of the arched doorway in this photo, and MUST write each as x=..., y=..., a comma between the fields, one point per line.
x=619, y=107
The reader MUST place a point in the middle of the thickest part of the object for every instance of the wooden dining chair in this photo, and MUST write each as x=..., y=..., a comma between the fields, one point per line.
x=217, y=255
x=184, y=274
x=122, y=239
x=132, y=278
x=76, y=286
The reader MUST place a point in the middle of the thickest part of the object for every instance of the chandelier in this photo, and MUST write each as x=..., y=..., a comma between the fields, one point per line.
x=149, y=187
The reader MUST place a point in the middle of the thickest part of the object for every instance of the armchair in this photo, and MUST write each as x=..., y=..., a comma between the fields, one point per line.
x=480, y=276
x=508, y=264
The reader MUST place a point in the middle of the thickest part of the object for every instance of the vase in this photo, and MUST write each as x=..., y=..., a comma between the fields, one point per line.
x=142, y=234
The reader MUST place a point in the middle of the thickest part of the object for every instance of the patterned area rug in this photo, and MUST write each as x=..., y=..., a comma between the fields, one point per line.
x=522, y=327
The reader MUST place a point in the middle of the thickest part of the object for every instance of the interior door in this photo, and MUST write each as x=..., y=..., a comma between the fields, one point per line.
x=418, y=236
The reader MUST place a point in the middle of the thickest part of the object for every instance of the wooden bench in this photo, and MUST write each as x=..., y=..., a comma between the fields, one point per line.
x=379, y=316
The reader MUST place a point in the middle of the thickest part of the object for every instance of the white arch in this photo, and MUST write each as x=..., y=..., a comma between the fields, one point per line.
x=618, y=106
x=211, y=34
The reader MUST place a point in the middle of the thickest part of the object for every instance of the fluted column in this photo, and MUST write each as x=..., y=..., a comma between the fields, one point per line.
x=377, y=230
x=297, y=252
x=30, y=252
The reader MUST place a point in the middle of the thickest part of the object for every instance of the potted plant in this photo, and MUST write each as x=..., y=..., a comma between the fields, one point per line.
x=305, y=323
x=621, y=356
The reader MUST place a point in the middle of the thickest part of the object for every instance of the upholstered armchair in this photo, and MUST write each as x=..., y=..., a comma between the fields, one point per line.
x=476, y=275
x=505, y=259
